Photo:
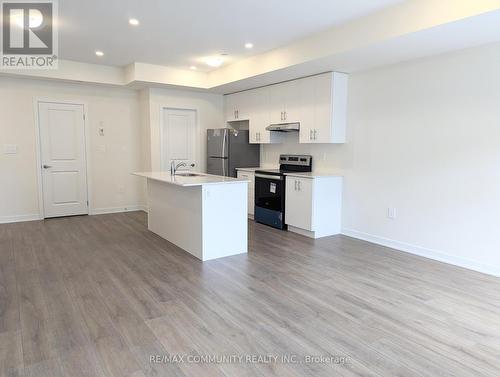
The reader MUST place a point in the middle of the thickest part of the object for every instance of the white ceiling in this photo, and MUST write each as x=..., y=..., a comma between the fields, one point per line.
x=178, y=33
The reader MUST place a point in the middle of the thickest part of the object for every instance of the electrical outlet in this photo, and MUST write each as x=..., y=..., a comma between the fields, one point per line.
x=391, y=213
x=10, y=148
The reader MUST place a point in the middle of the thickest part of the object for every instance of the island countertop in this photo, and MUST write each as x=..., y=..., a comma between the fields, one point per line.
x=199, y=180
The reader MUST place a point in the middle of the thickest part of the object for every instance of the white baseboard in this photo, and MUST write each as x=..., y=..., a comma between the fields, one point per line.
x=130, y=208
x=95, y=211
x=20, y=218
x=424, y=252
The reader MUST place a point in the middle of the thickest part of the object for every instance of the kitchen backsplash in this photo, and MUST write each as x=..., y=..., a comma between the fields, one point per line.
x=326, y=157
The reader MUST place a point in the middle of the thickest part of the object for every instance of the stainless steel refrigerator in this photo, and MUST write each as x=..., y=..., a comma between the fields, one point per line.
x=228, y=149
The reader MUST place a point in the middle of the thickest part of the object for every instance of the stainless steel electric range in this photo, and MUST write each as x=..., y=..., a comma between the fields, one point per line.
x=270, y=189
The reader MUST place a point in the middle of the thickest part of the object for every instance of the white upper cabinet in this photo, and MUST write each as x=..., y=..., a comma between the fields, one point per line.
x=284, y=102
x=318, y=103
x=327, y=121
x=230, y=107
x=238, y=106
x=259, y=117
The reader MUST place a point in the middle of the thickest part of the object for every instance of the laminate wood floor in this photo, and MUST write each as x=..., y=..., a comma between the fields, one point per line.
x=100, y=295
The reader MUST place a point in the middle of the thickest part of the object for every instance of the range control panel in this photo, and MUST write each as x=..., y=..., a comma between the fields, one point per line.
x=297, y=160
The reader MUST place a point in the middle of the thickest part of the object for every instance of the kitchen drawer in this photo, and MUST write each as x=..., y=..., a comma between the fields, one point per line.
x=251, y=188
x=247, y=175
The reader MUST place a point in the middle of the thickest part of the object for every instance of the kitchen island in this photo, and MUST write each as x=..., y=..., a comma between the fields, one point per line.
x=206, y=215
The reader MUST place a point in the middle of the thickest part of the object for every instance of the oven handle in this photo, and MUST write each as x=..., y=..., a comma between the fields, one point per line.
x=276, y=178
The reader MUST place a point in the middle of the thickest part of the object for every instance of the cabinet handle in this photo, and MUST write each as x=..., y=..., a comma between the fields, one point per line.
x=284, y=115
x=310, y=134
x=315, y=134
x=295, y=185
x=281, y=116
x=299, y=185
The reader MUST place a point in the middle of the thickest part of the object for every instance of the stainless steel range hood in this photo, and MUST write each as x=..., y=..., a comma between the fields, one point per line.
x=284, y=127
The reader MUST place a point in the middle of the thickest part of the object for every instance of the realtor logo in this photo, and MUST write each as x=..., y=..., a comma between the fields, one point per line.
x=29, y=38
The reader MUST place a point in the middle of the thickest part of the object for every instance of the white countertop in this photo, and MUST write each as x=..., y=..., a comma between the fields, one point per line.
x=200, y=180
x=314, y=174
x=248, y=169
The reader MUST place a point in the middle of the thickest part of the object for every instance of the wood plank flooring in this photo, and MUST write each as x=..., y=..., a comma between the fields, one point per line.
x=100, y=295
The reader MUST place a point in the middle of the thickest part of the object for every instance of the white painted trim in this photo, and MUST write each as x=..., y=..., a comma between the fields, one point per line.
x=96, y=211
x=130, y=208
x=302, y=232
x=424, y=252
x=19, y=218
x=36, y=102
x=197, y=132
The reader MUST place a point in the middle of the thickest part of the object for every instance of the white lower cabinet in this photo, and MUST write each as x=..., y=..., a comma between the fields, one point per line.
x=313, y=205
x=251, y=189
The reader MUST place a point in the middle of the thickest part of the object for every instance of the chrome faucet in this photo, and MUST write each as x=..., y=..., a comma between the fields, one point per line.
x=174, y=167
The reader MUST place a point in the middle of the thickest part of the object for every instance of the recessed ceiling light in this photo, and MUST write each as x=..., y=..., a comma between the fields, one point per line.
x=214, y=61
x=193, y=68
x=133, y=21
x=249, y=45
x=99, y=53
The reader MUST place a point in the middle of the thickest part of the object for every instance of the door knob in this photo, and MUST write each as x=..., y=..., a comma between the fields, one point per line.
x=46, y=166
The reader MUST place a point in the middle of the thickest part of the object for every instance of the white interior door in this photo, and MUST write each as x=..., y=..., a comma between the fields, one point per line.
x=178, y=137
x=64, y=166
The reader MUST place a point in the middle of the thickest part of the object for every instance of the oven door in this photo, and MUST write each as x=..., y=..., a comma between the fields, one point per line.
x=270, y=200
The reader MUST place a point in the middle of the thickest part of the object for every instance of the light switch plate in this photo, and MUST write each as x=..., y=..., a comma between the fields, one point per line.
x=9, y=148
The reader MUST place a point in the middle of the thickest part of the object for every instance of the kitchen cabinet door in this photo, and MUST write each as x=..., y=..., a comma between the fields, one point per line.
x=276, y=105
x=306, y=108
x=331, y=108
x=323, y=109
x=244, y=104
x=251, y=189
x=327, y=97
x=259, y=116
x=230, y=107
x=299, y=203
x=293, y=101
x=238, y=106
x=284, y=102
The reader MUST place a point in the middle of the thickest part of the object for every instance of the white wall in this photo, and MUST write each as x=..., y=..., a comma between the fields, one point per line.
x=423, y=137
x=111, y=185
x=209, y=109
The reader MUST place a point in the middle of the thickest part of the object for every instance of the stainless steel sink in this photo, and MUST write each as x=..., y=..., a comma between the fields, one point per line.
x=188, y=174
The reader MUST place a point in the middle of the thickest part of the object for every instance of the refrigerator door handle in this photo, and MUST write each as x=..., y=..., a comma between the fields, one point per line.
x=223, y=150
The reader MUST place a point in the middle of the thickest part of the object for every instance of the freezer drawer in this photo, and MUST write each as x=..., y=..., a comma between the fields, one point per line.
x=218, y=166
